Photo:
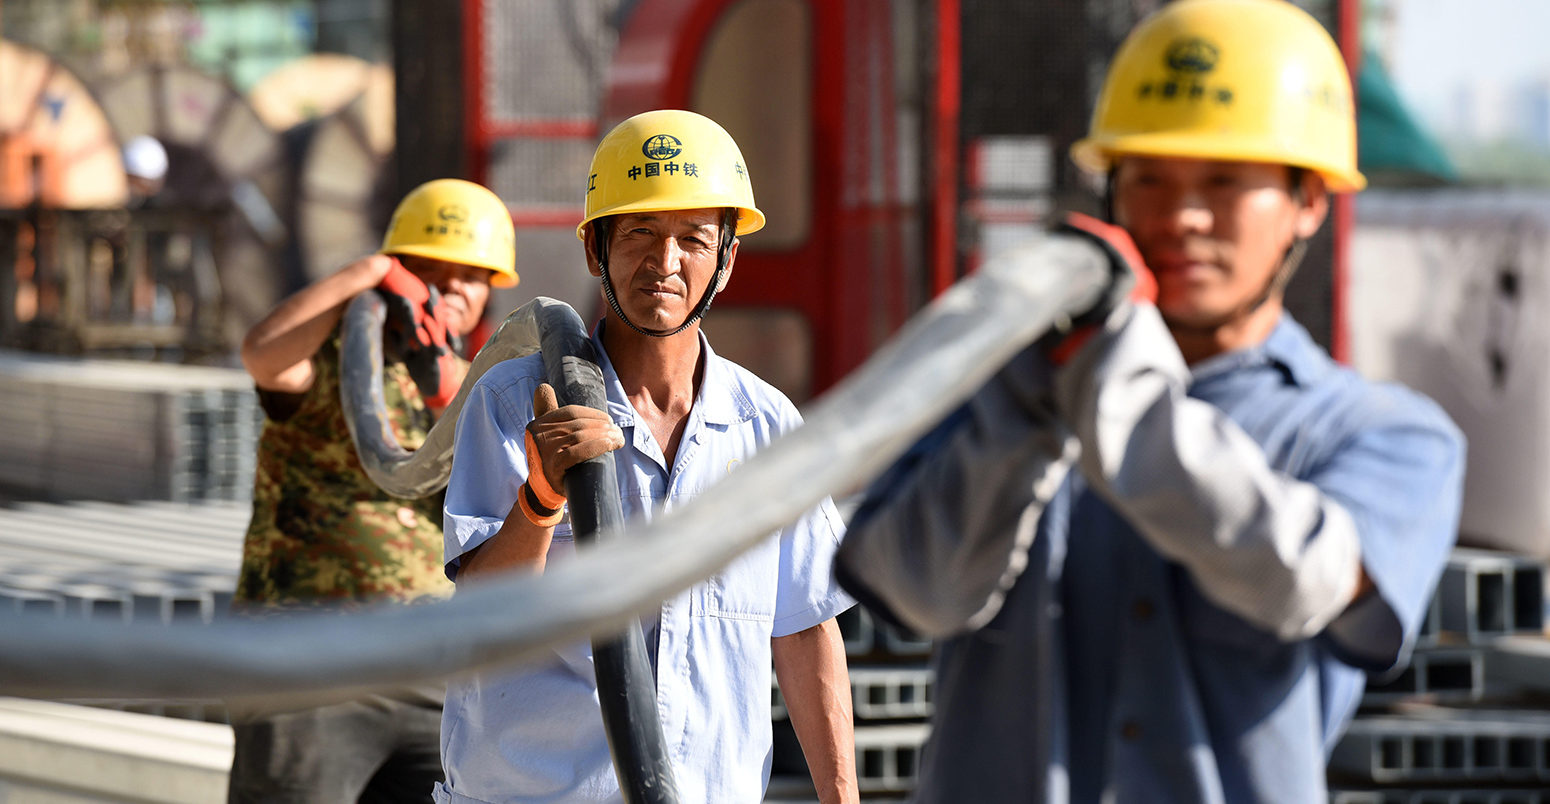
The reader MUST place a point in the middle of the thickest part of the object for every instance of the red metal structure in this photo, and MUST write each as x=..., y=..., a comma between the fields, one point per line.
x=843, y=262
x=859, y=120
x=482, y=129
x=832, y=104
x=1348, y=33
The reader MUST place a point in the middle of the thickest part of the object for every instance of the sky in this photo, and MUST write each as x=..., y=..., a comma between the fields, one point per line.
x=1441, y=45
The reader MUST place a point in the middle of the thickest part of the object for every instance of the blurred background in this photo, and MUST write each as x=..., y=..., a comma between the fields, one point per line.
x=171, y=169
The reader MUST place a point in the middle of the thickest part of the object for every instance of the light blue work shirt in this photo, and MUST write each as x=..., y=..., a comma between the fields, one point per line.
x=534, y=733
x=1107, y=675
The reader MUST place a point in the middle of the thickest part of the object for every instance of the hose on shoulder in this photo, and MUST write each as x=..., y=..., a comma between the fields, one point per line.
x=626, y=687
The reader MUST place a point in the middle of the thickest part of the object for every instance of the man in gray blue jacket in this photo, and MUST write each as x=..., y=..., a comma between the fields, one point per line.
x=1250, y=528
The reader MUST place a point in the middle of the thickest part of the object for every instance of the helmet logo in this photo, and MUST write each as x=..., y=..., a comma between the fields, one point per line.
x=1192, y=55
x=1187, y=60
x=662, y=146
x=453, y=213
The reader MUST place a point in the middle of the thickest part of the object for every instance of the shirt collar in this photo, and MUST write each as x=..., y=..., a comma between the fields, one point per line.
x=721, y=400
x=1289, y=348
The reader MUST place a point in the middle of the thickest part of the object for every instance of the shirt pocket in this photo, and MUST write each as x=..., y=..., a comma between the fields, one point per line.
x=743, y=590
x=714, y=598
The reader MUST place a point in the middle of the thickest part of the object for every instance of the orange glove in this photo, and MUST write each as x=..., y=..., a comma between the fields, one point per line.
x=541, y=502
x=557, y=439
x=1130, y=280
x=416, y=332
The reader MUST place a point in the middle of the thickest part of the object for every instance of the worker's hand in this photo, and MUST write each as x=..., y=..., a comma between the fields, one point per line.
x=416, y=332
x=1129, y=281
x=559, y=438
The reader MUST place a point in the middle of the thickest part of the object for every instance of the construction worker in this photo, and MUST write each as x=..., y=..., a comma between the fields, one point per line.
x=145, y=163
x=136, y=285
x=667, y=197
x=323, y=535
x=1248, y=527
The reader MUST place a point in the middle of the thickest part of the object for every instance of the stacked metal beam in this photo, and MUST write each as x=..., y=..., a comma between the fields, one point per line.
x=891, y=695
x=121, y=430
x=1442, y=674
x=1444, y=746
x=1460, y=725
x=1486, y=594
x=1439, y=796
x=888, y=757
x=147, y=561
x=53, y=752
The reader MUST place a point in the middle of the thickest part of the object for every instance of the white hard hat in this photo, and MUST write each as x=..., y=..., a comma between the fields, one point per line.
x=145, y=158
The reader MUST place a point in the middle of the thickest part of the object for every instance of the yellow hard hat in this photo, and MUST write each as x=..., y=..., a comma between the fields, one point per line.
x=669, y=159
x=457, y=221
x=1239, y=80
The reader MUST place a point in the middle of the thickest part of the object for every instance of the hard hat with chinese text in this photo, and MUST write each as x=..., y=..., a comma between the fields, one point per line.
x=665, y=160
x=457, y=221
x=1233, y=80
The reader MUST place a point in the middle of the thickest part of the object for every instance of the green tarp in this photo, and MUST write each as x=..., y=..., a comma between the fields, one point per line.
x=1392, y=148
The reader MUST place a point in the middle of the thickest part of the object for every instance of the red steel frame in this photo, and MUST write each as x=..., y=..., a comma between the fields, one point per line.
x=830, y=278
x=481, y=131
x=944, y=148
x=654, y=68
x=1348, y=24
x=826, y=278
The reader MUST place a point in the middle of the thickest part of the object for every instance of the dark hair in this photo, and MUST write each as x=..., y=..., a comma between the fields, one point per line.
x=1294, y=174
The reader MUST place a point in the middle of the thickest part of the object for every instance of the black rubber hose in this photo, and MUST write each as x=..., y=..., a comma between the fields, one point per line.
x=626, y=688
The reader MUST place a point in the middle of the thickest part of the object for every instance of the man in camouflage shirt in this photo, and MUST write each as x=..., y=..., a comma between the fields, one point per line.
x=323, y=535
x=322, y=532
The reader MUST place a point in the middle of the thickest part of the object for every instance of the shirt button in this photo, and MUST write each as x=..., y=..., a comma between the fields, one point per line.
x=1142, y=609
x=1131, y=730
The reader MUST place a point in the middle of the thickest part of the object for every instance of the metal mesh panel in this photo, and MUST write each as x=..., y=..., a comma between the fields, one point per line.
x=1033, y=69
x=543, y=71
x=546, y=58
x=543, y=172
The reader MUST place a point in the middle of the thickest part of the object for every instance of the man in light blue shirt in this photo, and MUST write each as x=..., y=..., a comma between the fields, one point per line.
x=1187, y=615
x=679, y=419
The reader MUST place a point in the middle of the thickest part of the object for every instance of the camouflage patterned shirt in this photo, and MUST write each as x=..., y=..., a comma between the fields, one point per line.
x=322, y=533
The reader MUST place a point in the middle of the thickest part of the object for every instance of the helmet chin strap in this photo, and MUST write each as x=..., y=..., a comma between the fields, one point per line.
x=1275, y=286
x=602, y=234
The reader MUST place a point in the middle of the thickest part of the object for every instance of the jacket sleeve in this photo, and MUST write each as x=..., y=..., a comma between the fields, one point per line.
x=944, y=533
x=1284, y=554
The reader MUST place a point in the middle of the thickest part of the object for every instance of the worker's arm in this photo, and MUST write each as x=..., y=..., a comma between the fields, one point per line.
x=1352, y=544
x=517, y=545
x=810, y=667
x=1288, y=555
x=944, y=533
x=278, y=350
x=497, y=461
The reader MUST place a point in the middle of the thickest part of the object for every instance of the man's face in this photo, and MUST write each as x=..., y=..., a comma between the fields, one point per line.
x=1214, y=233
x=662, y=262
x=465, y=289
